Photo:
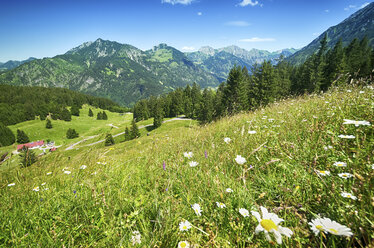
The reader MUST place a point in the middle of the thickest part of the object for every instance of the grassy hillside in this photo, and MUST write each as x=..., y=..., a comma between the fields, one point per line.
x=147, y=184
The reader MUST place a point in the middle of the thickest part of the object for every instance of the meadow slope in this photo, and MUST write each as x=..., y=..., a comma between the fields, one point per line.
x=147, y=185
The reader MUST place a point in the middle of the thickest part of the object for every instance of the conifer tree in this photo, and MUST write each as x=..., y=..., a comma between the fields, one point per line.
x=74, y=110
x=206, y=110
x=6, y=136
x=134, y=130
x=158, y=117
x=109, y=140
x=22, y=138
x=99, y=116
x=104, y=116
x=28, y=157
x=48, y=124
x=65, y=115
x=90, y=113
x=127, y=134
x=71, y=134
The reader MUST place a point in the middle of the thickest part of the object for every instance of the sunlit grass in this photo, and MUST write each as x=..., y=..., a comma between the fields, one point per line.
x=147, y=185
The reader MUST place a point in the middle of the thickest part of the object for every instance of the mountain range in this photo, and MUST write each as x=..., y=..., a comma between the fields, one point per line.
x=358, y=25
x=13, y=64
x=126, y=74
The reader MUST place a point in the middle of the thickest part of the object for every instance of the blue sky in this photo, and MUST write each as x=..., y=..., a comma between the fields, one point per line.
x=45, y=28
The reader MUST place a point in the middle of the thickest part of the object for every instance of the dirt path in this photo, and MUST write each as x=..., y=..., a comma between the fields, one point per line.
x=118, y=134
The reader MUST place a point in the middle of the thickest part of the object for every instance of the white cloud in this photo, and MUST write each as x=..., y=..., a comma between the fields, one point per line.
x=350, y=7
x=327, y=11
x=187, y=48
x=248, y=2
x=364, y=5
x=256, y=39
x=237, y=23
x=184, y=2
x=199, y=13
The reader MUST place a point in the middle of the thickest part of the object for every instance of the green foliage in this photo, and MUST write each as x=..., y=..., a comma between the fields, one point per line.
x=65, y=115
x=109, y=140
x=21, y=104
x=99, y=116
x=127, y=134
x=104, y=116
x=71, y=134
x=134, y=133
x=74, y=110
x=27, y=156
x=22, y=137
x=90, y=113
x=158, y=116
x=48, y=124
x=7, y=137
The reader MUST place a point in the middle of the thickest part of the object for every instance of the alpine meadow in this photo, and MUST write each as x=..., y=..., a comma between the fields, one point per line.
x=263, y=137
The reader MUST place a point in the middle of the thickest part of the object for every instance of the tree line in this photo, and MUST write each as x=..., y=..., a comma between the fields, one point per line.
x=263, y=83
x=23, y=103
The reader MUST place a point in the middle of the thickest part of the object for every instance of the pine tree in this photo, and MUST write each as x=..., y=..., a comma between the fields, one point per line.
x=235, y=92
x=104, y=116
x=22, y=138
x=134, y=130
x=48, y=124
x=74, y=110
x=206, y=110
x=157, y=119
x=28, y=157
x=127, y=134
x=109, y=140
x=90, y=113
x=99, y=116
x=6, y=136
x=65, y=115
x=71, y=134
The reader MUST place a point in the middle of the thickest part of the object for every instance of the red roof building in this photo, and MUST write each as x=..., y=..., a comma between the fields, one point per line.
x=31, y=145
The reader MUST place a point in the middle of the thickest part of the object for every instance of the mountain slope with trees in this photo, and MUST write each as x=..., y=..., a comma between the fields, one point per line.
x=116, y=71
x=358, y=25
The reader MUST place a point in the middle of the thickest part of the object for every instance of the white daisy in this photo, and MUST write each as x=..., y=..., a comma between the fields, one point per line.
x=356, y=123
x=327, y=148
x=67, y=172
x=36, y=189
x=244, y=212
x=184, y=226
x=323, y=173
x=317, y=226
x=83, y=167
x=196, y=208
x=49, y=173
x=327, y=225
x=343, y=136
x=229, y=190
x=193, y=164
x=340, y=164
x=345, y=175
x=183, y=244
x=11, y=184
x=188, y=154
x=240, y=160
x=252, y=131
x=221, y=205
x=227, y=140
x=136, y=238
x=270, y=224
x=43, y=184
x=348, y=195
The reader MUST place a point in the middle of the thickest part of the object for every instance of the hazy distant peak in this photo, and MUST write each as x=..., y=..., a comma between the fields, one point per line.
x=207, y=50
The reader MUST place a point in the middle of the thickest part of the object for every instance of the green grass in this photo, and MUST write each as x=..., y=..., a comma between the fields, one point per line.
x=102, y=205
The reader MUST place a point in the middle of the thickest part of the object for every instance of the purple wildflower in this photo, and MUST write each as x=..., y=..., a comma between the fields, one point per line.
x=206, y=154
x=164, y=166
